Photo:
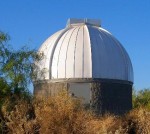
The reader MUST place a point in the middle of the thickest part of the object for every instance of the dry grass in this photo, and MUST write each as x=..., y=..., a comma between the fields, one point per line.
x=137, y=121
x=64, y=115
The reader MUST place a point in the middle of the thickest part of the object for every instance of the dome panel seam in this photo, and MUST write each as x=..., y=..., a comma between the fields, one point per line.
x=91, y=73
x=60, y=50
x=75, y=49
x=122, y=52
x=83, y=55
x=67, y=49
x=53, y=50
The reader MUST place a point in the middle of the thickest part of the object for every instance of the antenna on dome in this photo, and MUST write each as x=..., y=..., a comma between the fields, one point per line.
x=74, y=22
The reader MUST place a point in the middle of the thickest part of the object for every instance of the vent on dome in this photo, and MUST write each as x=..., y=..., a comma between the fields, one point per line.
x=93, y=22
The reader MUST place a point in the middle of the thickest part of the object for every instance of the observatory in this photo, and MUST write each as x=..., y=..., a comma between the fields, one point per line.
x=89, y=62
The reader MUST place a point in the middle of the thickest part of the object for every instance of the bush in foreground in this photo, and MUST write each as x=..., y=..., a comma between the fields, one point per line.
x=141, y=98
x=65, y=115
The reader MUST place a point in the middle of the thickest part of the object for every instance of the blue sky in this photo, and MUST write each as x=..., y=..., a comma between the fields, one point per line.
x=30, y=22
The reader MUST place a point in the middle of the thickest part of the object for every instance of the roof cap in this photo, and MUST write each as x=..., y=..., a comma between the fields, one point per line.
x=93, y=22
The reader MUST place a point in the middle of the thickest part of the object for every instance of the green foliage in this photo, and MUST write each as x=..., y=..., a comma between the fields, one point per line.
x=5, y=88
x=16, y=67
x=141, y=98
x=3, y=37
x=16, y=72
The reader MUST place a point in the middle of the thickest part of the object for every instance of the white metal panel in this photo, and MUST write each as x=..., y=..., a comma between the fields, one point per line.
x=48, y=54
x=56, y=56
x=85, y=51
x=78, y=57
x=45, y=49
x=115, y=60
x=70, y=55
x=99, y=57
x=119, y=58
x=108, y=63
x=87, y=69
x=61, y=65
x=129, y=69
x=95, y=52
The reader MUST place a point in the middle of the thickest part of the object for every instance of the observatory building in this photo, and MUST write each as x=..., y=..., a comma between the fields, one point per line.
x=89, y=62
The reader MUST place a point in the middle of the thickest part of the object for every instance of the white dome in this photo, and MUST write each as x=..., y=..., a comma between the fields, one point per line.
x=84, y=50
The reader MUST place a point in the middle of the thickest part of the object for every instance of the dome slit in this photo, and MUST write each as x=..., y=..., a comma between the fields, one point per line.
x=87, y=54
x=90, y=50
x=67, y=49
x=75, y=49
x=95, y=66
x=83, y=55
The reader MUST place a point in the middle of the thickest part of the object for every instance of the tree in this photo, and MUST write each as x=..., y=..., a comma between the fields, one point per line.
x=4, y=87
x=141, y=98
x=16, y=72
x=16, y=67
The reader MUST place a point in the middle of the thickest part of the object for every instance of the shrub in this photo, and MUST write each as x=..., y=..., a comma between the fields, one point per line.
x=65, y=115
x=141, y=98
x=59, y=114
x=137, y=122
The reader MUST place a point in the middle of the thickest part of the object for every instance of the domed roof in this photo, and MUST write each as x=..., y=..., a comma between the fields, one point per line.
x=84, y=50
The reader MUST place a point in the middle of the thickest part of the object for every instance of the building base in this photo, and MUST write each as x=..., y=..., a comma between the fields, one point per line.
x=103, y=96
x=114, y=98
